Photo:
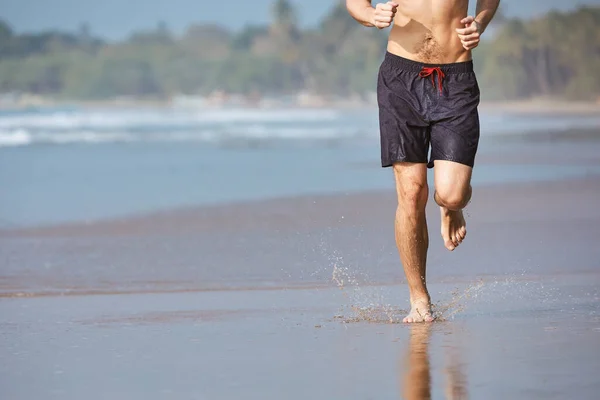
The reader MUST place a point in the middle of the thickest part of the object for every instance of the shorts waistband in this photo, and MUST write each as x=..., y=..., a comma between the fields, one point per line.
x=410, y=65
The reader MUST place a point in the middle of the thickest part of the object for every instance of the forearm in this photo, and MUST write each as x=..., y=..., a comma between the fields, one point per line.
x=362, y=11
x=485, y=12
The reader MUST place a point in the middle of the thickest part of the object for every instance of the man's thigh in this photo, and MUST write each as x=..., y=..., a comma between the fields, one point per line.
x=454, y=143
x=404, y=130
x=455, y=127
x=452, y=179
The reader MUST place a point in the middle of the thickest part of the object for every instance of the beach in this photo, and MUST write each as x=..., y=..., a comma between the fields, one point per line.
x=264, y=299
x=519, y=229
x=295, y=291
x=218, y=345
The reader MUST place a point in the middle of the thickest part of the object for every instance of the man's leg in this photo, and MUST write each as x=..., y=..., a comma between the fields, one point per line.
x=411, y=235
x=452, y=193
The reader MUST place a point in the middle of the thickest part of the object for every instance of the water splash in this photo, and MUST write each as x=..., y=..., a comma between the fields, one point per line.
x=368, y=303
x=446, y=310
x=510, y=294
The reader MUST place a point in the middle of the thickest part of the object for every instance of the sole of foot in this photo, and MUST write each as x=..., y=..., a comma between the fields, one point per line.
x=454, y=228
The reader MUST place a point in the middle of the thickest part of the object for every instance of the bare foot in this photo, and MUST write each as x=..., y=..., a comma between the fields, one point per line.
x=420, y=312
x=454, y=228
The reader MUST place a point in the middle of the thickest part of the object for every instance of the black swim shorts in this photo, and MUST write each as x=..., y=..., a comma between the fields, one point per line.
x=422, y=104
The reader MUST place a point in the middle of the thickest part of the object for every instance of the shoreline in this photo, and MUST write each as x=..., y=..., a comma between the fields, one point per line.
x=264, y=208
x=305, y=242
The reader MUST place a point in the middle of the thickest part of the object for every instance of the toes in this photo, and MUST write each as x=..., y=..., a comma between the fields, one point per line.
x=455, y=240
x=448, y=241
x=460, y=235
x=411, y=320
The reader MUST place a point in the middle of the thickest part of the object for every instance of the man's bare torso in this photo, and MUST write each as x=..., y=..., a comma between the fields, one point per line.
x=425, y=31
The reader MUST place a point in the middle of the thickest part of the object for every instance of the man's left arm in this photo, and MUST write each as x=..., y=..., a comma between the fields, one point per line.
x=475, y=26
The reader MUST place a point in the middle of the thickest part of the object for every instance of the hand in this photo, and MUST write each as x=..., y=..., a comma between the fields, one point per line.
x=384, y=14
x=470, y=34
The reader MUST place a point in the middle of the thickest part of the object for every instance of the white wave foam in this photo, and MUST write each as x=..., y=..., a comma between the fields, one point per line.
x=267, y=132
x=85, y=137
x=18, y=137
x=60, y=127
x=24, y=137
x=125, y=120
x=181, y=125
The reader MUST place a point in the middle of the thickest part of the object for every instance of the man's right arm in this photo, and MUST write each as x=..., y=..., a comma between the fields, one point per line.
x=381, y=16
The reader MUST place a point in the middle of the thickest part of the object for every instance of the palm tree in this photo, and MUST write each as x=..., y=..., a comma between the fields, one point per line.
x=284, y=31
x=284, y=14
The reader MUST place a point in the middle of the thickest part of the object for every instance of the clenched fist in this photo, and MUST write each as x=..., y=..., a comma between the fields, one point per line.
x=470, y=34
x=384, y=14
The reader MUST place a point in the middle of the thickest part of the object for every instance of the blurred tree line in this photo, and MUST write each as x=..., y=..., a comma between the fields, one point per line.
x=557, y=55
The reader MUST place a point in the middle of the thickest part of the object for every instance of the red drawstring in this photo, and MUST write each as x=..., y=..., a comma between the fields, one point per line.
x=428, y=71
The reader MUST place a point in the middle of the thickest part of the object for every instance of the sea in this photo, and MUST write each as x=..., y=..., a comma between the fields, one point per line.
x=67, y=164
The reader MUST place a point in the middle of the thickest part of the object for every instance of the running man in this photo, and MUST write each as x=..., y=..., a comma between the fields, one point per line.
x=428, y=96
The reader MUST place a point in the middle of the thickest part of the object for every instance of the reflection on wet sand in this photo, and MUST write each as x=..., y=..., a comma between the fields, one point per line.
x=416, y=377
x=416, y=384
x=456, y=380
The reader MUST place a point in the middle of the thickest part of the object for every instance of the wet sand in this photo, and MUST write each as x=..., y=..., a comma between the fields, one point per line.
x=533, y=229
x=266, y=299
x=509, y=340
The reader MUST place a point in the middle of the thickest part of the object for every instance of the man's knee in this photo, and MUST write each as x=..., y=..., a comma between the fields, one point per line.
x=413, y=195
x=453, y=198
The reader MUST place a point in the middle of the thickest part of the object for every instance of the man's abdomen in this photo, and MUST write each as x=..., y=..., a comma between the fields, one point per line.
x=425, y=31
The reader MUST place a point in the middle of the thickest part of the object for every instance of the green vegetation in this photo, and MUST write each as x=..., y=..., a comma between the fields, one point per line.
x=557, y=56
x=554, y=56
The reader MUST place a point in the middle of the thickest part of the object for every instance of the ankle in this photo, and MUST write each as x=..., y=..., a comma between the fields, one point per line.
x=420, y=298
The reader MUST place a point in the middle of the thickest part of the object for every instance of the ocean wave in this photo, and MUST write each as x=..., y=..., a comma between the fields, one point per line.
x=238, y=127
x=25, y=137
x=171, y=125
x=17, y=137
x=125, y=120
